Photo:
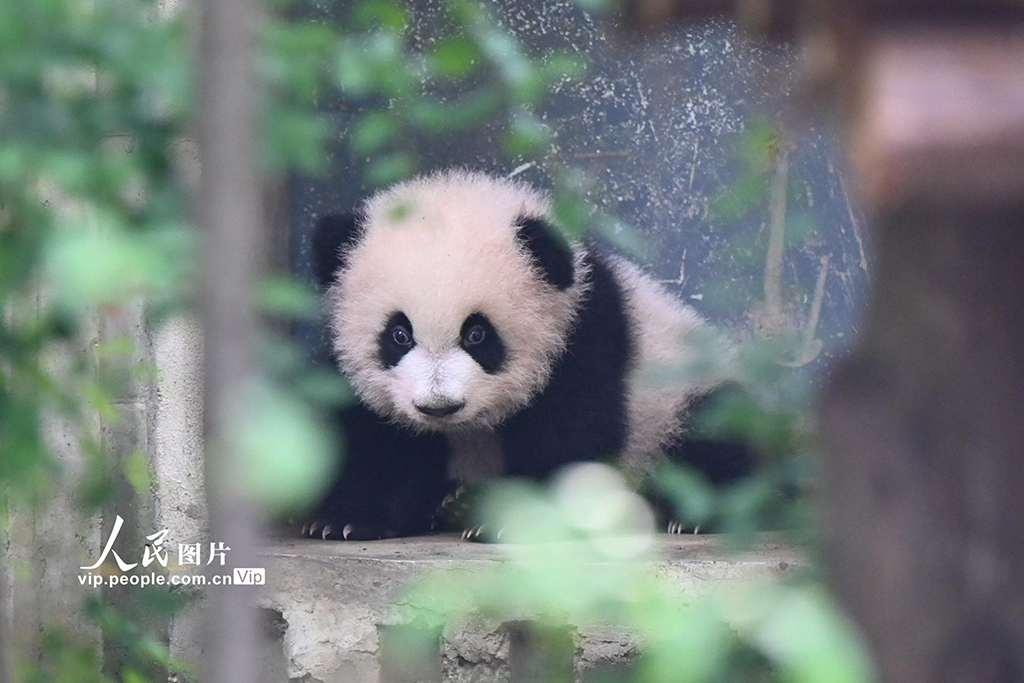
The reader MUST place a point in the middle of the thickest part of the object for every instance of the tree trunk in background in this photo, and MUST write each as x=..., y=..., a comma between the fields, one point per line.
x=925, y=433
x=924, y=424
x=5, y=614
x=231, y=220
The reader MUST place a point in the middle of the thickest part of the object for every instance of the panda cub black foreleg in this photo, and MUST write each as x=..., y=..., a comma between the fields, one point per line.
x=720, y=459
x=392, y=481
x=580, y=415
x=460, y=316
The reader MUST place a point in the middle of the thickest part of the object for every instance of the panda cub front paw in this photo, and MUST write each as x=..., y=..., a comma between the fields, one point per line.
x=344, y=531
x=482, y=534
x=678, y=528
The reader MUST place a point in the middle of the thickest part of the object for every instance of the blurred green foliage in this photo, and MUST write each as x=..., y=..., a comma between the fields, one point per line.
x=581, y=552
x=96, y=113
x=94, y=96
x=756, y=151
x=92, y=100
x=583, y=555
x=96, y=105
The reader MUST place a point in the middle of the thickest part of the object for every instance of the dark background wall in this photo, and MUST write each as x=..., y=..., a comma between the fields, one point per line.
x=662, y=123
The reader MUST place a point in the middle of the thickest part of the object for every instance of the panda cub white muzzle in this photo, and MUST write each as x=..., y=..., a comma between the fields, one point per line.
x=440, y=377
x=437, y=382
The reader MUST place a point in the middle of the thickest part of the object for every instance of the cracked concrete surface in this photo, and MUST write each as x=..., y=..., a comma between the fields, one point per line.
x=333, y=597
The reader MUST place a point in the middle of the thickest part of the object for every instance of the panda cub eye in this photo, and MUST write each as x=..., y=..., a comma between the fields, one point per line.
x=395, y=340
x=480, y=339
x=475, y=335
x=401, y=335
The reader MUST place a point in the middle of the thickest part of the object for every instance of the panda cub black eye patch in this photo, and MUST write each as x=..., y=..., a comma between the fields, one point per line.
x=395, y=340
x=481, y=341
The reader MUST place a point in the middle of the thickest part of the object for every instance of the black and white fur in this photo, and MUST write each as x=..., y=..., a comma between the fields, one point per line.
x=482, y=345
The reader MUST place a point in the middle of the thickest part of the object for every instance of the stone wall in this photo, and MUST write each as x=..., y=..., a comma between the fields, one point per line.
x=333, y=610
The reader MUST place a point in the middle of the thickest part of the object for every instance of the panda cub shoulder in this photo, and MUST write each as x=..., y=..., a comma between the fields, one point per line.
x=481, y=344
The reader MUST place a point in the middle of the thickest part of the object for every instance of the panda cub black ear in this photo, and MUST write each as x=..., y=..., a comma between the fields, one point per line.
x=333, y=236
x=549, y=250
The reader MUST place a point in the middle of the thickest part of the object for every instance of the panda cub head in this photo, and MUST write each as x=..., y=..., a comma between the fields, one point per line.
x=453, y=300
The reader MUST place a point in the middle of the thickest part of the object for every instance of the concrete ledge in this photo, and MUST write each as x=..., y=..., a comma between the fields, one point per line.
x=331, y=605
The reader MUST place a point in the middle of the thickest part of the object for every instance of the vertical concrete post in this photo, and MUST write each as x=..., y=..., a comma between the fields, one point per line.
x=231, y=222
x=925, y=421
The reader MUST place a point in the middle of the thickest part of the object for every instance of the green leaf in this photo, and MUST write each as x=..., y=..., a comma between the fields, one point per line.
x=289, y=456
x=434, y=116
x=327, y=389
x=100, y=399
x=527, y=135
x=287, y=297
x=108, y=265
x=571, y=212
x=745, y=193
x=295, y=137
x=117, y=348
x=563, y=65
x=352, y=71
x=369, y=14
x=811, y=641
x=133, y=676
x=692, y=496
x=136, y=471
x=373, y=131
x=390, y=169
x=622, y=235
x=454, y=58
x=743, y=504
x=22, y=448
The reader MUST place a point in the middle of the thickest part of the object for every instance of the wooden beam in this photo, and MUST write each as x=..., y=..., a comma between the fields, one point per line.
x=940, y=116
x=773, y=17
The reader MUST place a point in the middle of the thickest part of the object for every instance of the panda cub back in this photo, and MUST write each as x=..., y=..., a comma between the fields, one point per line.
x=480, y=344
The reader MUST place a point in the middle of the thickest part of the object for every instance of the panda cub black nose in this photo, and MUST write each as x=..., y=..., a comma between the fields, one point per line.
x=442, y=410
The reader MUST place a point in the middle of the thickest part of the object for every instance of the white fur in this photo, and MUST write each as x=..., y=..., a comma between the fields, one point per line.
x=666, y=372
x=438, y=249
x=443, y=247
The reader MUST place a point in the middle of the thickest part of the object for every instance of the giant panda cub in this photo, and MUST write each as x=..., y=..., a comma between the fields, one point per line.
x=482, y=345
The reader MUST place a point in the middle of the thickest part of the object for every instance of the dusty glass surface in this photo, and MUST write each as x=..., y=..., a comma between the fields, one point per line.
x=665, y=124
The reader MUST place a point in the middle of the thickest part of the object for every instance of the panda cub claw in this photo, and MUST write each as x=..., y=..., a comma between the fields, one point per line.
x=326, y=530
x=481, y=534
x=677, y=528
